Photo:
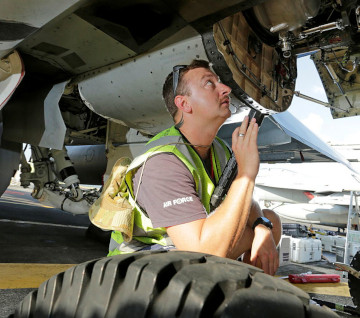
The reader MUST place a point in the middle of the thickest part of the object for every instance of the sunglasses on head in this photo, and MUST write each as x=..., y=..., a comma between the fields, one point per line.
x=176, y=75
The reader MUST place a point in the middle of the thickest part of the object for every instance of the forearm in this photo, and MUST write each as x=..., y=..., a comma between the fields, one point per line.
x=222, y=230
x=255, y=212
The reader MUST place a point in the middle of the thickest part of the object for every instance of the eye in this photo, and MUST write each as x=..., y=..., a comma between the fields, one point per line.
x=209, y=82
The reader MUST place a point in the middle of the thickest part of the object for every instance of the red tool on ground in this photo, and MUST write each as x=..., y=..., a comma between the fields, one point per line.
x=314, y=278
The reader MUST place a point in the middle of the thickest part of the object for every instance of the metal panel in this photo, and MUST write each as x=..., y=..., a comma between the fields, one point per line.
x=80, y=46
x=54, y=133
x=24, y=17
x=132, y=90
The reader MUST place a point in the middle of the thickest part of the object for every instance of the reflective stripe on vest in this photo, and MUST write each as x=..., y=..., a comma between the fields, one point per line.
x=168, y=141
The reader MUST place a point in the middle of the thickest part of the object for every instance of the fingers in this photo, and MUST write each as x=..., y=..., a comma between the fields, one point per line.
x=265, y=265
x=268, y=263
x=273, y=264
x=250, y=130
x=240, y=130
x=244, y=125
x=261, y=262
x=246, y=132
x=244, y=146
x=254, y=130
x=255, y=261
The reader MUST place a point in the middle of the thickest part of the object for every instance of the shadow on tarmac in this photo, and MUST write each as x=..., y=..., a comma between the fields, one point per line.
x=31, y=233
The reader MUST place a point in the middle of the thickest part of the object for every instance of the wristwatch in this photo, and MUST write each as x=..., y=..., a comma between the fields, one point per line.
x=264, y=221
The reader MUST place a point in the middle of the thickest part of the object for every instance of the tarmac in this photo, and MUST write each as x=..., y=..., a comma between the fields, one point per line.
x=37, y=242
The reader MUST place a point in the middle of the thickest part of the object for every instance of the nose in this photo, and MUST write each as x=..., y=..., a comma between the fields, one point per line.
x=225, y=90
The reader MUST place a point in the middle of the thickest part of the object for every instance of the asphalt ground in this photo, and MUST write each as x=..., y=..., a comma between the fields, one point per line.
x=37, y=242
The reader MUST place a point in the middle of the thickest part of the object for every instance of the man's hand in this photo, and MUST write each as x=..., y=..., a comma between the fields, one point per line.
x=244, y=146
x=263, y=250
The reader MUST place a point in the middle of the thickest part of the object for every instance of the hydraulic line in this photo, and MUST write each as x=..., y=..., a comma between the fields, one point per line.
x=336, y=81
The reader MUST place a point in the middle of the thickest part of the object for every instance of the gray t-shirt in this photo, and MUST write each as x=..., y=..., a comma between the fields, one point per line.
x=167, y=192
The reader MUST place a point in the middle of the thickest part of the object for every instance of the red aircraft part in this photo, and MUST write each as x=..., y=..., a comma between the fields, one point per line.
x=314, y=278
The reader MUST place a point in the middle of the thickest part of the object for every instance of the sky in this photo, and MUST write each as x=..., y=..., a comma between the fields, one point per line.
x=317, y=117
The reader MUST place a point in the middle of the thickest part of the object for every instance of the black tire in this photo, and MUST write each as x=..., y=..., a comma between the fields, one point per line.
x=354, y=282
x=166, y=284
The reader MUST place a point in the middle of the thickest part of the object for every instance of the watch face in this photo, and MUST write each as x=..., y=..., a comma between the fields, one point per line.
x=263, y=220
x=267, y=222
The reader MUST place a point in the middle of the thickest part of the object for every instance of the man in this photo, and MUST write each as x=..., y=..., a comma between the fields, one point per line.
x=173, y=180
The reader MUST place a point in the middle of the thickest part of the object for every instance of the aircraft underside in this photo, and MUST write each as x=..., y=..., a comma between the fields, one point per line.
x=91, y=73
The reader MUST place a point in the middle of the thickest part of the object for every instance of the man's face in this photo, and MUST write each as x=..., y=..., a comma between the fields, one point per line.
x=208, y=97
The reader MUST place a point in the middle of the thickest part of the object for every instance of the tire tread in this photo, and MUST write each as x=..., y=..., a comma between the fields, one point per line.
x=166, y=284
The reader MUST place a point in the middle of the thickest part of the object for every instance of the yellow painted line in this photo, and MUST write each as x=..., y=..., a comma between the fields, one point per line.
x=47, y=206
x=19, y=275
x=335, y=289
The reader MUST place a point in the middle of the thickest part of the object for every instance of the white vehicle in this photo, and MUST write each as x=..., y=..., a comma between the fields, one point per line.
x=309, y=192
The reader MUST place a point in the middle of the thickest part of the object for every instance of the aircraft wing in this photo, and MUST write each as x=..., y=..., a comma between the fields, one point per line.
x=283, y=138
x=297, y=130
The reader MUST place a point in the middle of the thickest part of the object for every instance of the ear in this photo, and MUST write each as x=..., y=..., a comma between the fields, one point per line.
x=182, y=102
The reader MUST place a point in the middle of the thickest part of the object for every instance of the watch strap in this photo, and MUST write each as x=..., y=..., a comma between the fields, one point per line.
x=264, y=221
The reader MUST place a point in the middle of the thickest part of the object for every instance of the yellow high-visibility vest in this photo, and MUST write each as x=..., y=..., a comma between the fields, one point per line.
x=168, y=141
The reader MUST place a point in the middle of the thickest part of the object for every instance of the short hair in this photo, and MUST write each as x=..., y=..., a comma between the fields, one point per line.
x=182, y=88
